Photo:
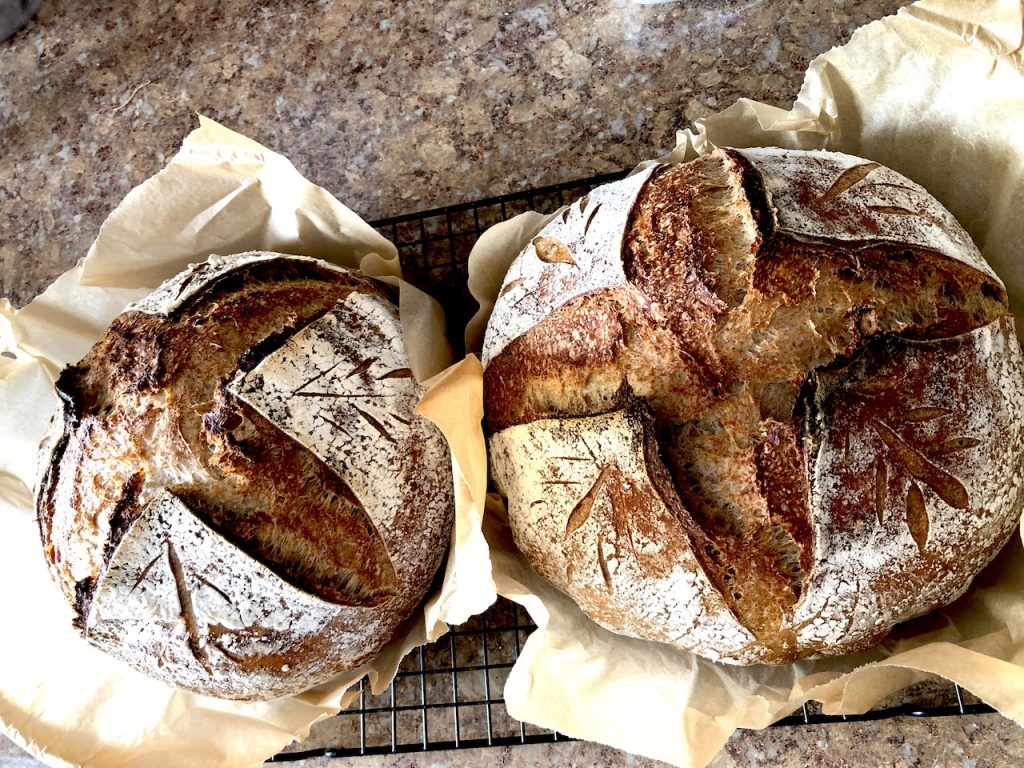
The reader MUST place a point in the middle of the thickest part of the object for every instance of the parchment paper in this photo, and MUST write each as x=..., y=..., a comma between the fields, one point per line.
x=60, y=698
x=936, y=92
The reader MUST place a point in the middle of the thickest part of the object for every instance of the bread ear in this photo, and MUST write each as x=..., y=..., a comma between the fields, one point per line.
x=740, y=276
x=840, y=198
x=242, y=500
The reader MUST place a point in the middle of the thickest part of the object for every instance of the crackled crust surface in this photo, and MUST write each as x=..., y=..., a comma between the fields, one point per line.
x=238, y=496
x=816, y=393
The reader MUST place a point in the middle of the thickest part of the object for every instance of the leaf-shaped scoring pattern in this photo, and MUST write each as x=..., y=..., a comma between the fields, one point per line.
x=551, y=250
x=190, y=604
x=623, y=498
x=193, y=632
x=948, y=488
x=917, y=516
x=955, y=445
x=884, y=402
x=581, y=512
x=845, y=180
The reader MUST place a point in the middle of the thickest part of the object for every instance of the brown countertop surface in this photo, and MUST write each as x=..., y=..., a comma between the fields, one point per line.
x=397, y=107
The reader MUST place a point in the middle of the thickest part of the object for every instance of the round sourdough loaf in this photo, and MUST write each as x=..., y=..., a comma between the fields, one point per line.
x=762, y=406
x=237, y=496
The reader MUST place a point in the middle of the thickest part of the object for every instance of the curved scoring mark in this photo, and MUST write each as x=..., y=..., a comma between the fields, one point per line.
x=894, y=185
x=590, y=219
x=206, y=582
x=381, y=429
x=510, y=286
x=955, y=445
x=581, y=512
x=846, y=179
x=877, y=385
x=917, y=516
x=926, y=413
x=881, y=487
x=551, y=250
x=145, y=573
x=893, y=210
x=196, y=271
x=362, y=368
x=606, y=573
x=398, y=373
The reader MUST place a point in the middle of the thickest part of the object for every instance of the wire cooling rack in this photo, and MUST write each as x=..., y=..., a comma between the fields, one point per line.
x=448, y=695
x=434, y=245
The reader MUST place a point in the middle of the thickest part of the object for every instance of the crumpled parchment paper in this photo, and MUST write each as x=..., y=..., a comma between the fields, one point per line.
x=62, y=699
x=937, y=93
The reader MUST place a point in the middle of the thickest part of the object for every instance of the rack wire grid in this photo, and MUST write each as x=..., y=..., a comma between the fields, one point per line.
x=448, y=695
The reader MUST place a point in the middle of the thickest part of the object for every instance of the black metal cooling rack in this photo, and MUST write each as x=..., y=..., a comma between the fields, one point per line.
x=434, y=245
x=448, y=695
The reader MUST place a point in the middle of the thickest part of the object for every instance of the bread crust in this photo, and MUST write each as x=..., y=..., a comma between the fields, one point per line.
x=758, y=294
x=238, y=497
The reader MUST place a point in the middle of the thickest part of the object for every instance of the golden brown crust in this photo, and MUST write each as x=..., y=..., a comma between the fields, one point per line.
x=727, y=309
x=149, y=411
x=144, y=354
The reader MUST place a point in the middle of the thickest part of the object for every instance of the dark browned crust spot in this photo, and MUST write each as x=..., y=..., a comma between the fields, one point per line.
x=752, y=184
x=71, y=393
x=270, y=272
x=124, y=512
x=894, y=294
x=83, y=602
x=206, y=339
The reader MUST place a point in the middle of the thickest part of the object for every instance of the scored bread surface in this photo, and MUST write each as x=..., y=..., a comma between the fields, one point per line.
x=815, y=389
x=238, y=496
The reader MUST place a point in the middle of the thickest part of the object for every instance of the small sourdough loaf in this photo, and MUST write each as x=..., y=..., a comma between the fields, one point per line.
x=237, y=496
x=762, y=406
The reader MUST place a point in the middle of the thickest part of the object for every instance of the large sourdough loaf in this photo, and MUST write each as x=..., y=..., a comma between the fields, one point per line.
x=237, y=496
x=762, y=406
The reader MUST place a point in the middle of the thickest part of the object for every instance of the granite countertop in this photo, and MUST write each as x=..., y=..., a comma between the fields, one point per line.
x=398, y=107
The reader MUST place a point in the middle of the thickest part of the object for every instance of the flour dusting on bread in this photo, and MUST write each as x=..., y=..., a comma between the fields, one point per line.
x=831, y=388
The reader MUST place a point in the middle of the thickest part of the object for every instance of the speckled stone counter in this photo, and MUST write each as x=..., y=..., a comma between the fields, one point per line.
x=398, y=107
x=395, y=107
